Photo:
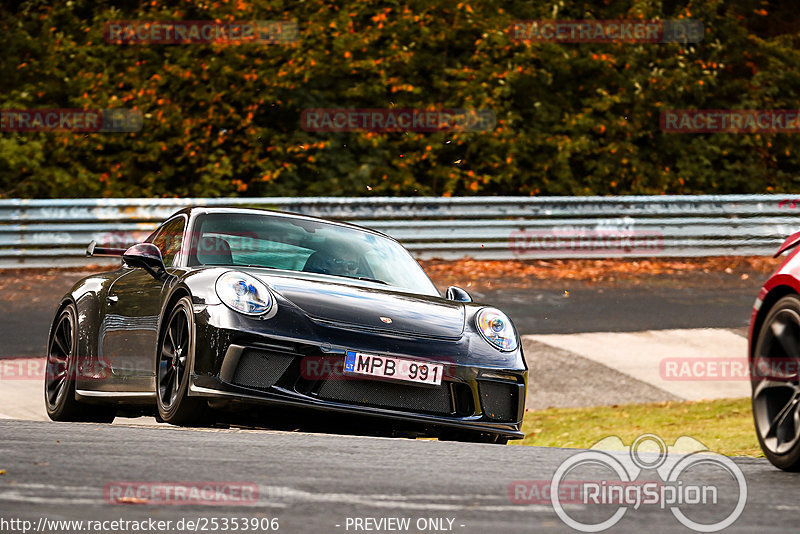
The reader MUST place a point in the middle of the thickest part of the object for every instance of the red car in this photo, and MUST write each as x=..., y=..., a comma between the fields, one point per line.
x=774, y=351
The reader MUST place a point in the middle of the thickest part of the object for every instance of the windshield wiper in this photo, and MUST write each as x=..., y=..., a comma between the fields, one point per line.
x=256, y=266
x=369, y=279
x=365, y=278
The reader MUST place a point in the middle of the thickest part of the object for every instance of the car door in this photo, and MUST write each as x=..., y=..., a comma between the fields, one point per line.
x=129, y=331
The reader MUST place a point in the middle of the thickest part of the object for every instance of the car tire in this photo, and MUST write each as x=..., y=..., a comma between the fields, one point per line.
x=61, y=371
x=173, y=368
x=776, y=399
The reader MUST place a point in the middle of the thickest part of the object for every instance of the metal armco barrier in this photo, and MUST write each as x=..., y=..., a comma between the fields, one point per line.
x=45, y=233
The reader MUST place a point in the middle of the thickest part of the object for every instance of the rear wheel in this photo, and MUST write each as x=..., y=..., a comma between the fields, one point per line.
x=60, y=373
x=173, y=369
x=776, y=385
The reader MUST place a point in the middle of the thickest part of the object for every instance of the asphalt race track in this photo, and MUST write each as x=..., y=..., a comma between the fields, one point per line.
x=326, y=482
x=314, y=482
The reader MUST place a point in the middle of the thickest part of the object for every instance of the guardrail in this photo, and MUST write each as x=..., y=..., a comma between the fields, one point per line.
x=43, y=233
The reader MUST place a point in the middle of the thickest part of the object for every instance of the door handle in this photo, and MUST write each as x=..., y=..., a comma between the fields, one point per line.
x=112, y=299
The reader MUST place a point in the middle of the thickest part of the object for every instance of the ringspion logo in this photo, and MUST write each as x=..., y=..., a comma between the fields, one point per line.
x=686, y=482
x=576, y=491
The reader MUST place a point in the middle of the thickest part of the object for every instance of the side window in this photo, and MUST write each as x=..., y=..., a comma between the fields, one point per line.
x=168, y=239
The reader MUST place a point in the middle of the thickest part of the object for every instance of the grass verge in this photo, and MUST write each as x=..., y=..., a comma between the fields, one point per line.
x=724, y=426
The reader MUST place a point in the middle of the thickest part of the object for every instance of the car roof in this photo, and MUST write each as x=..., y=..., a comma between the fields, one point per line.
x=196, y=210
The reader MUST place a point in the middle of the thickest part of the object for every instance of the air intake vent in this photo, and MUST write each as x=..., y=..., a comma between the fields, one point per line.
x=434, y=400
x=499, y=400
x=261, y=369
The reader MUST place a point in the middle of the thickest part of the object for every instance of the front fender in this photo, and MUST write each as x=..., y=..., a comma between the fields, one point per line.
x=785, y=280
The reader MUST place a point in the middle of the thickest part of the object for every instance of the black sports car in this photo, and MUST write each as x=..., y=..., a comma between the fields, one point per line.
x=224, y=306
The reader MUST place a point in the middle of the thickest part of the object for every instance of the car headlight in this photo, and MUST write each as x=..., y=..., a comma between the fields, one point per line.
x=244, y=293
x=496, y=328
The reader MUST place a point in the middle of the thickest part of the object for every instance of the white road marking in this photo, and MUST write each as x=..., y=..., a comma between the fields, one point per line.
x=292, y=495
x=283, y=497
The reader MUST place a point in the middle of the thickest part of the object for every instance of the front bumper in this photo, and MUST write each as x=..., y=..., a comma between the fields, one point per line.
x=252, y=367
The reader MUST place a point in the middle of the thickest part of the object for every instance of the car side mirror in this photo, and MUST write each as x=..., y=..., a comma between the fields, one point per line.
x=148, y=257
x=457, y=294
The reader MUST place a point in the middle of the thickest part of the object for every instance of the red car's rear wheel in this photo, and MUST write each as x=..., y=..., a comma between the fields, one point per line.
x=776, y=384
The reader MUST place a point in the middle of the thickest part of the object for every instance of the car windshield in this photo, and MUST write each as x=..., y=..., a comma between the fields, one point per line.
x=302, y=245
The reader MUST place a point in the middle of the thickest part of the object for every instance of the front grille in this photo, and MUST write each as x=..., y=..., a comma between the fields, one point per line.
x=499, y=400
x=260, y=369
x=434, y=400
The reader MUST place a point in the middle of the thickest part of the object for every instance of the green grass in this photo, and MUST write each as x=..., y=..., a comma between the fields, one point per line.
x=724, y=426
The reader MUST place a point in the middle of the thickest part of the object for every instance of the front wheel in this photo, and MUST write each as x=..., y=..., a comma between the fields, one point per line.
x=173, y=368
x=776, y=384
x=60, y=372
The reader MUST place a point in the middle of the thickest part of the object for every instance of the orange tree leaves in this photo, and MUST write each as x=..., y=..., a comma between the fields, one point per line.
x=572, y=119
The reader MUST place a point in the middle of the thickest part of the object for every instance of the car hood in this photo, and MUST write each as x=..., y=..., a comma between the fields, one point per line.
x=371, y=308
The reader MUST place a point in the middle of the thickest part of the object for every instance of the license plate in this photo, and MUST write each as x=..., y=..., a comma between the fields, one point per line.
x=389, y=367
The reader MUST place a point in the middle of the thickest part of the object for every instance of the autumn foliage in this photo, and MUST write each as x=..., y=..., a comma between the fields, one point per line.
x=222, y=120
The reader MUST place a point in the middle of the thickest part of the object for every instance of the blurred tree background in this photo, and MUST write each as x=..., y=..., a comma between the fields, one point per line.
x=223, y=120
